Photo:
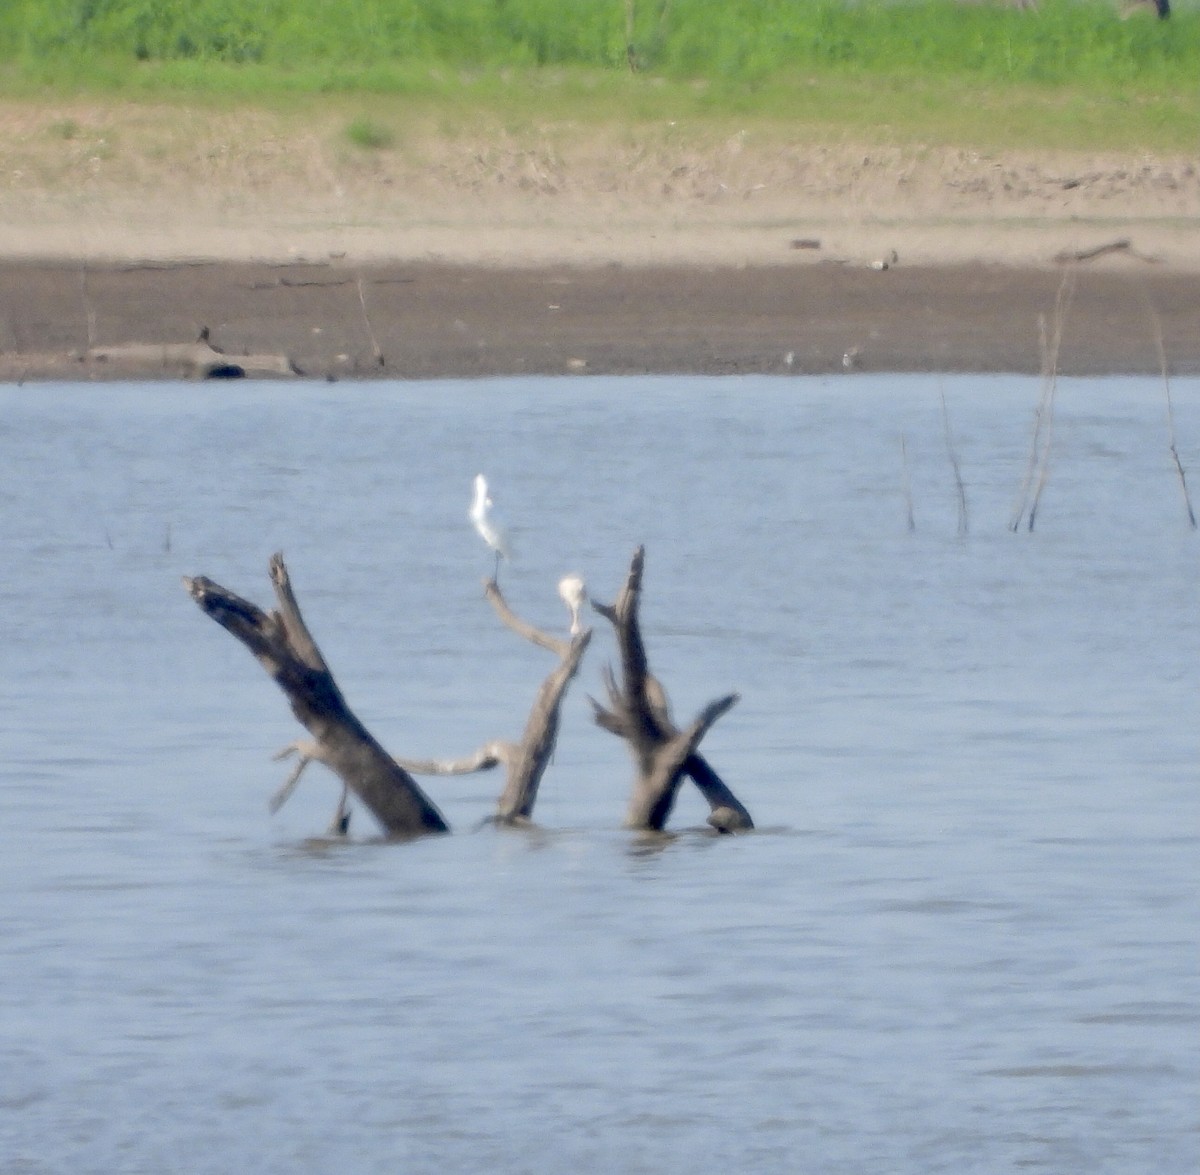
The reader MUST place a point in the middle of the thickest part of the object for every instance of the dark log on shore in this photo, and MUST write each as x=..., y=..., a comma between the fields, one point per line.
x=199, y=360
x=639, y=712
x=282, y=644
x=526, y=761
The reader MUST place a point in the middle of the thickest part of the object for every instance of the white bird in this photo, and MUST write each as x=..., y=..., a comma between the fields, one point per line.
x=486, y=524
x=574, y=594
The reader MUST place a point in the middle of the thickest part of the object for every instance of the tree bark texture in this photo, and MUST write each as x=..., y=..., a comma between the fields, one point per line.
x=282, y=644
x=639, y=712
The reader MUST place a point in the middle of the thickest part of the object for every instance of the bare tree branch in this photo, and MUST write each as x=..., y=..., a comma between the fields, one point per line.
x=654, y=796
x=640, y=713
x=488, y=756
x=282, y=644
x=306, y=752
x=522, y=628
x=526, y=761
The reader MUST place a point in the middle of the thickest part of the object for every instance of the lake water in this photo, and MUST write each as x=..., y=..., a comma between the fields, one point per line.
x=964, y=938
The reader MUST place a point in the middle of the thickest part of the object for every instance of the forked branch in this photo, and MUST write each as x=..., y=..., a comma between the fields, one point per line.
x=282, y=644
x=526, y=761
x=639, y=712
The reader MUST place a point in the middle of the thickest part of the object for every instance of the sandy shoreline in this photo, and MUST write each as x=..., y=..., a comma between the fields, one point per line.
x=561, y=252
x=428, y=320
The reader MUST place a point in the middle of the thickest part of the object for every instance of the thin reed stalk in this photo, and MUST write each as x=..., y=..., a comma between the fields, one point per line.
x=362, y=301
x=89, y=310
x=963, y=520
x=1018, y=514
x=1156, y=328
x=1037, y=472
x=907, y=483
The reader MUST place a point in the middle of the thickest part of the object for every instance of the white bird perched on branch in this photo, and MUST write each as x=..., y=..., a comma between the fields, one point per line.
x=574, y=594
x=486, y=524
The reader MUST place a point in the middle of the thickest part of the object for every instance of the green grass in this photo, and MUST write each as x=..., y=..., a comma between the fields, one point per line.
x=65, y=129
x=1070, y=73
x=370, y=135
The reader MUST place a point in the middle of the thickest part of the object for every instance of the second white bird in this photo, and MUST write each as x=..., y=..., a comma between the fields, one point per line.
x=574, y=594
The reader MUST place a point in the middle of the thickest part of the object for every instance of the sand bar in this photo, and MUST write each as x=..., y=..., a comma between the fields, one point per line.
x=495, y=258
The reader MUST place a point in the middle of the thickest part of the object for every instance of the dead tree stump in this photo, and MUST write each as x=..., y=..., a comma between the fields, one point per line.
x=526, y=761
x=282, y=644
x=638, y=711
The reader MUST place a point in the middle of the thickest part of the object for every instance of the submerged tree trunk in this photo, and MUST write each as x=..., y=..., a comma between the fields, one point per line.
x=527, y=760
x=638, y=711
x=282, y=644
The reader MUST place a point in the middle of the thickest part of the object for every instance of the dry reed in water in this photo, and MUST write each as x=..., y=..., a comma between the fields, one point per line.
x=1037, y=472
x=1156, y=327
x=963, y=522
x=908, y=498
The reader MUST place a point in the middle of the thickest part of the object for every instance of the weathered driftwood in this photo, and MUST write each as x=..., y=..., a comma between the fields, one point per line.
x=284, y=647
x=638, y=711
x=199, y=360
x=526, y=761
x=1123, y=245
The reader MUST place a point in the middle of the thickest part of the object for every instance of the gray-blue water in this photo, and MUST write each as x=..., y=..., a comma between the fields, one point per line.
x=965, y=938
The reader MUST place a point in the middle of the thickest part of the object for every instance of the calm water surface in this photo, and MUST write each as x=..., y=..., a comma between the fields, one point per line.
x=963, y=940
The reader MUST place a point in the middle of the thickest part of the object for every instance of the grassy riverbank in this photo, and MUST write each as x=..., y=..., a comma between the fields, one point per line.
x=523, y=132
x=1068, y=75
